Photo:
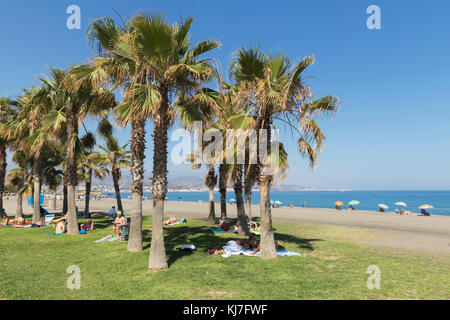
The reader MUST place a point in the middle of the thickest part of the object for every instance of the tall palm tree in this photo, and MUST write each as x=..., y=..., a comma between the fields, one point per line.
x=7, y=111
x=118, y=157
x=75, y=100
x=92, y=164
x=154, y=61
x=20, y=178
x=279, y=93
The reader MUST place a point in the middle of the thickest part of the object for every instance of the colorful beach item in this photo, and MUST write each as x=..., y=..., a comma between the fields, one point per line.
x=426, y=206
x=353, y=202
x=338, y=203
x=402, y=204
x=382, y=205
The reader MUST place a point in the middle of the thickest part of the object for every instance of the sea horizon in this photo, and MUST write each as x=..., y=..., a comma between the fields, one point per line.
x=369, y=199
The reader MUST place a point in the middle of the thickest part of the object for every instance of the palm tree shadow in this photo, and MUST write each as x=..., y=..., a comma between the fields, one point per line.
x=203, y=238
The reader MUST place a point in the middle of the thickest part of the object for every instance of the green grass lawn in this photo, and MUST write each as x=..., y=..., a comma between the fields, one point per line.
x=332, y=266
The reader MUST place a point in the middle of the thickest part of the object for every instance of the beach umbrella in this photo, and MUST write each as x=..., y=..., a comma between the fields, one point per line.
x=353, y=202
x=278, y=202
x=381, y=205
x=272, y=202
x=339, y=203
x=401, y=204
x=426, y=206
x=232, y=200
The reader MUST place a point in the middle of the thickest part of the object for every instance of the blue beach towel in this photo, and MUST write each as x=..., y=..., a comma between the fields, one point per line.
x=214, y=230
x=234, y=249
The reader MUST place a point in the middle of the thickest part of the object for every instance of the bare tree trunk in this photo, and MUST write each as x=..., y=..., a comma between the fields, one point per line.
x=19, y=206
x=37, y=190
x=212, y=207
x=223, y=190
x=88, y=194
x=248, y=202
x=117, y=187
x=268, y=250
x=72, y=174
x=211, y=181
x=65, y=205
x=2, y=172
x=242, y=218
x=158, y=258
x=54, y=201
x=135, y=243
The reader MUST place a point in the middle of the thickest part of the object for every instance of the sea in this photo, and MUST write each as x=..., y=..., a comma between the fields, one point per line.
x=369, y=200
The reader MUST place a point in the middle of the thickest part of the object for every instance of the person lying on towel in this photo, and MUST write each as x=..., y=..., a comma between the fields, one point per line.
x=21, y=224
x=170, y=221
x=5, y=220
x=247, y=244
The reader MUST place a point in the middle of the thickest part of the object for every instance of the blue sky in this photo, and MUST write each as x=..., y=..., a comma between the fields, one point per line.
x=392, y=130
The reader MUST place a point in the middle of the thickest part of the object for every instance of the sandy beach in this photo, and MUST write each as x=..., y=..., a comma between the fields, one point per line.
x=388, y=230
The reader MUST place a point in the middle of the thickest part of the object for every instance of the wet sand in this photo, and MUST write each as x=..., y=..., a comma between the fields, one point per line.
x=390, y=230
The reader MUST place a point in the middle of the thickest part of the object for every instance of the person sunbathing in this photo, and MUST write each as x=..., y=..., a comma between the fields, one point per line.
x=5, y=220
x=253, y=226
x=247, y=244
x=170, y=221
x=258, y=248
x=225, y=226
x=118, y=223
x=88, y=225
x=21, y=224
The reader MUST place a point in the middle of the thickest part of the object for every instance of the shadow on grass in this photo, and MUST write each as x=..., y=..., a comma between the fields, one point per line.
x=203, y=239
x=200, y=236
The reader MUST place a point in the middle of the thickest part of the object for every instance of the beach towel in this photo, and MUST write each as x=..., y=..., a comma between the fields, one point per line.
x=214, y=230
x=104, y=239
x=54, y=234
x=172, y=224
x=234, y=249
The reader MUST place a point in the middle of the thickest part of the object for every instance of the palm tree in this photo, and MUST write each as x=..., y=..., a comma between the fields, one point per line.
x=74, y=101
x=118, y=157
x=92, y=164
x=7, y=111
x=20, y=178
x=279, y=94
x=153, y=61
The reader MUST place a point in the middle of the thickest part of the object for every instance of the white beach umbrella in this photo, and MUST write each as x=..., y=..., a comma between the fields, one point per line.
x=278, y=202
x=401, y=204
x=381, y=205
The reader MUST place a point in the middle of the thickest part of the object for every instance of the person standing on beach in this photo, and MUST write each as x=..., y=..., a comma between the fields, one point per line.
x=112, y=212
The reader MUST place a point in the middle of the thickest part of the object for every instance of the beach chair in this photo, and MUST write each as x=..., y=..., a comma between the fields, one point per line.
x=124, y=232
x=48, y=221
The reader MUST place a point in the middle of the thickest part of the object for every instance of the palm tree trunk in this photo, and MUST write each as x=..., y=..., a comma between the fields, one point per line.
x=88, y=194
x=237, y=184
x=19, y=206
x=115, y=176
x=137, y=170
x=72, y=174
x=248, y=202
x=37, y=190
x=2, y=173
x=211, y=181
x=65, y=205
x=158, y=258
x=223, y=191
x=267, y=250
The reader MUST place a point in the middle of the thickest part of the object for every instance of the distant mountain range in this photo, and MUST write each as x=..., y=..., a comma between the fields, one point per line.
x=180, y=181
